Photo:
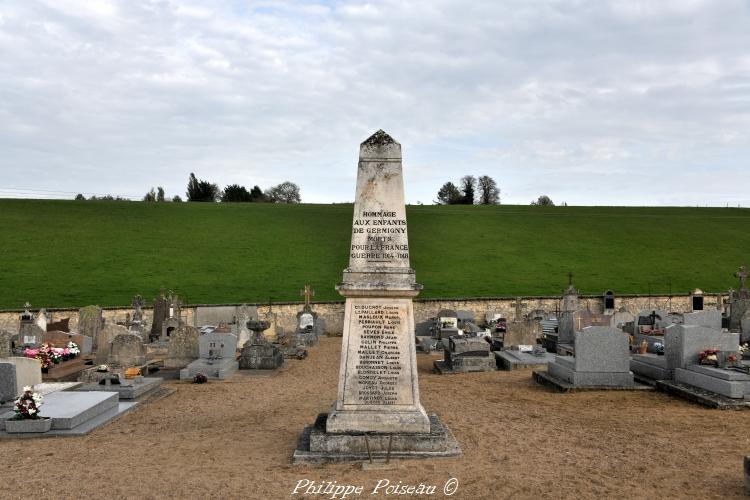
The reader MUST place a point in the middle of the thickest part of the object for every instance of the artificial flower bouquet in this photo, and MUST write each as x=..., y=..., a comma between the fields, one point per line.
x=48, y=355
x=709, y=357
x=27, y=405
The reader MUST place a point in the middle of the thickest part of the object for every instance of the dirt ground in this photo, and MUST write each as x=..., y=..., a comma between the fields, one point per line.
x=234, y=439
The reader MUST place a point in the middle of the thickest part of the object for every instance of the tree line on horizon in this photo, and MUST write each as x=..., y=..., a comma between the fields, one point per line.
x=199, y=190
x=471, y=191
x=482, y=190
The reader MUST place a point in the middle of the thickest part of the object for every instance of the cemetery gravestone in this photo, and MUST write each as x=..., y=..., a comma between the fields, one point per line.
x=106, y=335
x=127, y=350
x=519, y=334
x=8, y=386
x=258, y=353
x=466, y=354
x=602, y=359
x=160, y=315
x=5, y=344
x=217, y=356
x=26, y=372
x=29, y=333
x=90, y=323
x=245, y=314
x=378, y=391
x=183, y=347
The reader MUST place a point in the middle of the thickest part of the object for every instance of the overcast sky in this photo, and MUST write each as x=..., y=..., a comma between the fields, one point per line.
x=590, y=102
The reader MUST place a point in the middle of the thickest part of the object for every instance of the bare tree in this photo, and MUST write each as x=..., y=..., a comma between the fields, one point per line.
x=489, y=193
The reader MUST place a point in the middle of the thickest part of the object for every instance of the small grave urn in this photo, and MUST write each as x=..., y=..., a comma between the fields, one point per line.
x=28, y=425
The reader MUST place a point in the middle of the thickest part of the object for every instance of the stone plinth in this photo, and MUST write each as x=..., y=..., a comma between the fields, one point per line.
x=466, y=354
x=260, y=356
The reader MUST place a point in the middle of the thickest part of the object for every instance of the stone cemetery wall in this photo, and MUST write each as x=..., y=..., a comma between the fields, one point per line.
x=283, y=316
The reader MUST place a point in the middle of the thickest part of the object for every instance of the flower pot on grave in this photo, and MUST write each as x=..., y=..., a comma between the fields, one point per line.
x=28, y=425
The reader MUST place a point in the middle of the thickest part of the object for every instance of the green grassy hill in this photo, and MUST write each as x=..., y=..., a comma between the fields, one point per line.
x=66, y=253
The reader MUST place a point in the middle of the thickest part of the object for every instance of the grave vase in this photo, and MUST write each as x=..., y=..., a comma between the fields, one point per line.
x=28, y=425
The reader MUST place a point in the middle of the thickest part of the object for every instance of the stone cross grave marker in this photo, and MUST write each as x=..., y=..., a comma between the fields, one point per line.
x=742, y=276
x=308, y=293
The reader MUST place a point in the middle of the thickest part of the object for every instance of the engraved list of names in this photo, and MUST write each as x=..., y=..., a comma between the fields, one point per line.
x=378, y=356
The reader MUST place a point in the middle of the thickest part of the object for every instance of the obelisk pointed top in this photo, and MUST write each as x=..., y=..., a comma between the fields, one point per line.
x=380, y=138
x=380, y=145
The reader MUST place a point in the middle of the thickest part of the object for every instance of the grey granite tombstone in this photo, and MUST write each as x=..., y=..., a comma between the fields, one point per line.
x=684, y=343
x=8, y=384
x=378, y=391
x=602, y=359
x=28, y=372
x=127, y=350
x=710, y=318
x=217, y=356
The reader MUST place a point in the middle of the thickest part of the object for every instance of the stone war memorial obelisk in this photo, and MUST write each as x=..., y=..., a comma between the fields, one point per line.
x=378, y=407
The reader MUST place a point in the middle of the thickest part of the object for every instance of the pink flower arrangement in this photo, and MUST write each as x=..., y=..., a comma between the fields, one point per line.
x=48, y=355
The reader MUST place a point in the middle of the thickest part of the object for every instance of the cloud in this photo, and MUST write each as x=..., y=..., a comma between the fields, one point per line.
x=547, y=97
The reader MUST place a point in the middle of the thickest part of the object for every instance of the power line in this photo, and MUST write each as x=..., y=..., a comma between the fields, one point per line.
x=52, y=194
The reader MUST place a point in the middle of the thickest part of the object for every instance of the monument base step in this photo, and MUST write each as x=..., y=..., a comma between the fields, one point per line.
x=128, y=392
x=317, y=447
x=701, y=396
x=552, y=382
x=441, y=368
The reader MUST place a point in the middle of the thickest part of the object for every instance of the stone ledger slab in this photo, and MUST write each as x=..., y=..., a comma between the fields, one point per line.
x=131, y=391
x=70, y=409
x=649, y=366
x=516, y=360
x=735, y=389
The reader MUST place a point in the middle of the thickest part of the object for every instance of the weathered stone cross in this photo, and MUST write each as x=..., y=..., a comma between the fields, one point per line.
x=742, y=275
x=308, y=293
x=519, y=309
